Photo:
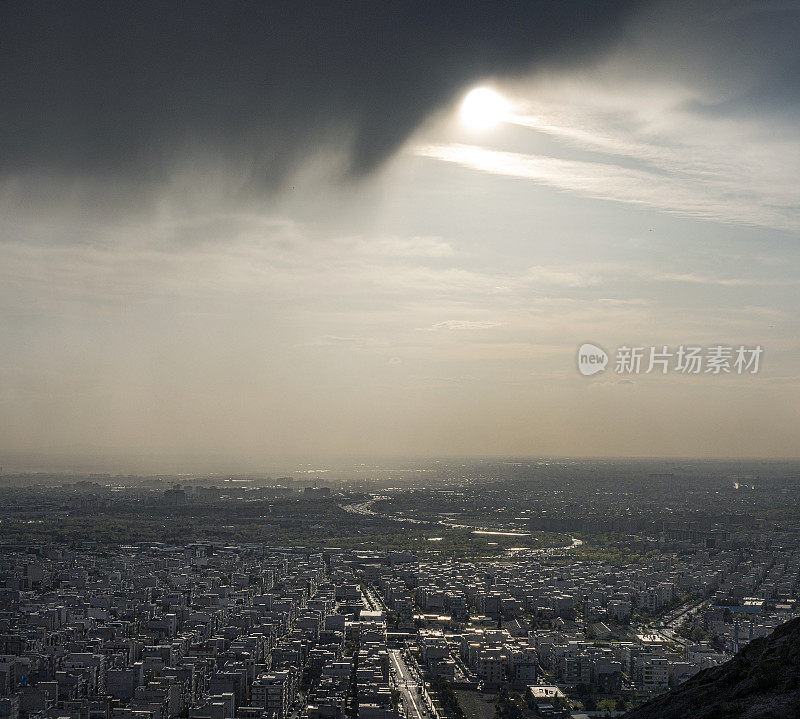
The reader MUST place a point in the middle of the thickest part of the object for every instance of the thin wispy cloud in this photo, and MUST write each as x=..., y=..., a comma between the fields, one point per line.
x=458, y=325
x=560, y=276
x=406, y=247
x=693, y=197
x=720, y=281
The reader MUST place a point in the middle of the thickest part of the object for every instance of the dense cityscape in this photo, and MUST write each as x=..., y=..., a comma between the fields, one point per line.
x=456, y=591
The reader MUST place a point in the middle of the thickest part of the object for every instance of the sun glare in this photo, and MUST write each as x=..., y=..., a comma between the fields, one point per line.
x=483, y=108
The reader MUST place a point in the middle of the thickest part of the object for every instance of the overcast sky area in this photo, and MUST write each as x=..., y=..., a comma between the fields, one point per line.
x=236, y=233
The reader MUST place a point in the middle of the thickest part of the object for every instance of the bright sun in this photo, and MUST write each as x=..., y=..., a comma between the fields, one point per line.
x=483, y=108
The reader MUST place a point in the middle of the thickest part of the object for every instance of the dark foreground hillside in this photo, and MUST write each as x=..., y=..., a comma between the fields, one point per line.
x=761, y=682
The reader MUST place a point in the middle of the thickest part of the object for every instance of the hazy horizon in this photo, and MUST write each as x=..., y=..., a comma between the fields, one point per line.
x=348, y=467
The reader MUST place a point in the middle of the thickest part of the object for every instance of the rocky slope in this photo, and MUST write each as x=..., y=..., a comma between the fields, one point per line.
x=761, y=682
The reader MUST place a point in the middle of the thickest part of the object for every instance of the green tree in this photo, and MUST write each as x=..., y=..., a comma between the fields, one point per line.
x=607, y=705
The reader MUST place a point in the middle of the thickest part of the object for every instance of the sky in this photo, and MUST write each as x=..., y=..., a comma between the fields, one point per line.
x=232, y=234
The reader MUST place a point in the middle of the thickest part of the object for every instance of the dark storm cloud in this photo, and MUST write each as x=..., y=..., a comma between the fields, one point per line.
x=96, y=89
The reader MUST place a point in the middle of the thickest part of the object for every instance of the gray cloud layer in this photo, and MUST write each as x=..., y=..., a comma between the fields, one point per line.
x=124, y=89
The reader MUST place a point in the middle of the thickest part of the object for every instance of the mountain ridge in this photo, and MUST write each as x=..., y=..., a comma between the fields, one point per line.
x=762, y=681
